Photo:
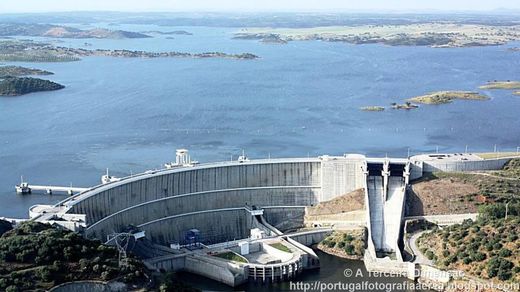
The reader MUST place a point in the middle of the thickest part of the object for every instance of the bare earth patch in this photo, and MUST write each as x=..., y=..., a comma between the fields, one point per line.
x=346, y=203
x=442, y=196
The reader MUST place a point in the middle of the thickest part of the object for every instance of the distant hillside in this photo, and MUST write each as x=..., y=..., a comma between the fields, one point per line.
x=57, y=31
x=13, y=86
x=17, y=71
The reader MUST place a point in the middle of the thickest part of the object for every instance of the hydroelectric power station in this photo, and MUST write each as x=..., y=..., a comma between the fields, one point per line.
x=195, y=217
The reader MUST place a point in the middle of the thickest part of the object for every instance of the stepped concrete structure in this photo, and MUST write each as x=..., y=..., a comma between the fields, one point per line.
x=225, y=201
x=385, y=191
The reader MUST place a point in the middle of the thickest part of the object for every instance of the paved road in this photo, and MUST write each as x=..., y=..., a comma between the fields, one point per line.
x=419, y=257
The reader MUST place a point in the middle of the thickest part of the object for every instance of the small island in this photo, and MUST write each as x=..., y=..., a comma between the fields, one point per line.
x=373, y=108
x=406, y=106
x=501, y=85
x=266, y=38
x=443, y=97
x=14, y=86
x=16, y=71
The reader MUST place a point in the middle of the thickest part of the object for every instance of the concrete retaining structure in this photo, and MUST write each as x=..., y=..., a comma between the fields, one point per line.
x=445, y=219
x=458, y=162
x=226, y=272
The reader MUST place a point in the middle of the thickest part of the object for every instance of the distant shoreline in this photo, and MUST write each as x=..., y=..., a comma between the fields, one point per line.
x=433, y=34
x=30, y=51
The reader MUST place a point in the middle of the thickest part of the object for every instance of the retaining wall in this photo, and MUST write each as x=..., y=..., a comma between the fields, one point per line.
x=459, y=166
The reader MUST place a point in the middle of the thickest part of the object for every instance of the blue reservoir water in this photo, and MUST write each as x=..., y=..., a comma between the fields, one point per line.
x=299, y=99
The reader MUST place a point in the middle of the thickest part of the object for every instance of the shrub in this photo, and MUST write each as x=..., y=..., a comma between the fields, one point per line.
x=498, y=211
x=83, y=263
x=3, y=283
x=349, y=249
x=492, y=267
x=430, y=255
x=480, y=256
x=474, y=246
x=349, y=238
x=5, y=226
x=512, y=237
x=44, y=274
x=504, y=252
x=449, y=260
x=504, y=275
x=505, y=264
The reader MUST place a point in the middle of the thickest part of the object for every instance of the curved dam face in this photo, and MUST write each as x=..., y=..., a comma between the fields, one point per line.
x=212, y=198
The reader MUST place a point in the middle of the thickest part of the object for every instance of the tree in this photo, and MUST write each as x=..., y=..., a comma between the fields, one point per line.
x=5, y=226
x=504, y=275
x=349, y=249
x=479, y=256
x=504, y=252
x=493, y=266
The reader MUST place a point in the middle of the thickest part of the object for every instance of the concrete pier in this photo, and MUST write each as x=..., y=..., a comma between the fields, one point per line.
x=26, y=188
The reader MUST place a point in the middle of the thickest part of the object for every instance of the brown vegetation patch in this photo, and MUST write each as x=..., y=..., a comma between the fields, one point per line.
x=442, y=196
x=352, y=201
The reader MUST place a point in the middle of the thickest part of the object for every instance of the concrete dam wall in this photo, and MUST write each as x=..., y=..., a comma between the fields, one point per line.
x=210, y=198
x=215, y=197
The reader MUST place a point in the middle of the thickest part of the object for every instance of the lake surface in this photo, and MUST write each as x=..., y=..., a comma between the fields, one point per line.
x=299, y=99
